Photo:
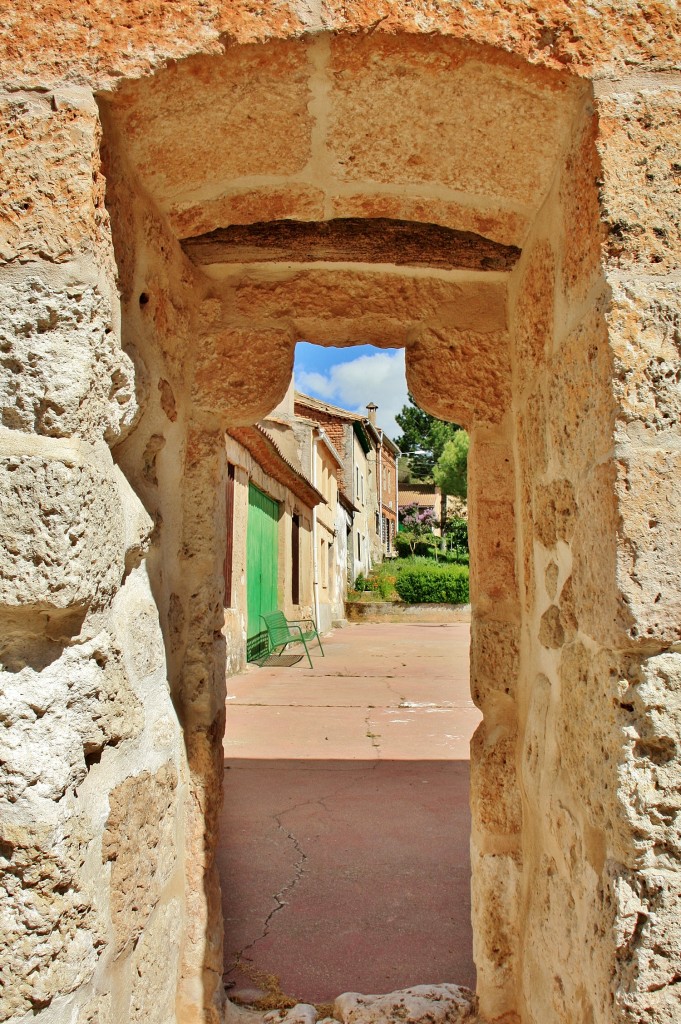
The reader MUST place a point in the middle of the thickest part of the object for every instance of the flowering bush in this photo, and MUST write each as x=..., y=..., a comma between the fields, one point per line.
x=417, y=524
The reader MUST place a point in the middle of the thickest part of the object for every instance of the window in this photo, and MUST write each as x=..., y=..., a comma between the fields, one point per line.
x=229, y=521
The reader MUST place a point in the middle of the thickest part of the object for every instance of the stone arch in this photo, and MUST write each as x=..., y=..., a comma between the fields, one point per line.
x=474, y=338
x=575, y=613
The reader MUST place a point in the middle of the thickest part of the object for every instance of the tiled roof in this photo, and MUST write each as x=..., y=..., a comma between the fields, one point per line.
x=266, y=453
x=424, y=495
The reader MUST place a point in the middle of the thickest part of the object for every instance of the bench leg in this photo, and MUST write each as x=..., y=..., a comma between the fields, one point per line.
x=320, y=645
x=306, y=651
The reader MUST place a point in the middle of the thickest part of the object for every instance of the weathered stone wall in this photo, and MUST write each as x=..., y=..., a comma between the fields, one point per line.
x=90, y=743
x=595, y=447
x=111, y=603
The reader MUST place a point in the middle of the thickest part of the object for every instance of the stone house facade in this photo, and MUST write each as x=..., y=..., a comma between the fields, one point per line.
x=255, y=460
x=535, y=288
x=349, y=435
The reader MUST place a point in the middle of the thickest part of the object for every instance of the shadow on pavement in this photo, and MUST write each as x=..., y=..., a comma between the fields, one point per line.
x=346, y=875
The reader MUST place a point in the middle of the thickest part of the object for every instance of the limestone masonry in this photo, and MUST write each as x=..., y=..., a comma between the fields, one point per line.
x=552, y=131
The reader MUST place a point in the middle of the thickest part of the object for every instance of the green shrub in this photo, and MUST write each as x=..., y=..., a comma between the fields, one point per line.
x=433, y=584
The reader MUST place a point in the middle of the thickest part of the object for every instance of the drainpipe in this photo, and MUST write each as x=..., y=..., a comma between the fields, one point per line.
x=380, y=486
x=397, y=495
x=315, y=559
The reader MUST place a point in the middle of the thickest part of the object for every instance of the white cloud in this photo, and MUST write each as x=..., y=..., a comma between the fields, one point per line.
x=375, y=378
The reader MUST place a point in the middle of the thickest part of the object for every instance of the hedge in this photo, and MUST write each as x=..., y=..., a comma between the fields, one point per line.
x=433, y=584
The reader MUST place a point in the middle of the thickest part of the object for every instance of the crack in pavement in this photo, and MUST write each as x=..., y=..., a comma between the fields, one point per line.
x=373, y=736
x=298, y=867
x=278, y=897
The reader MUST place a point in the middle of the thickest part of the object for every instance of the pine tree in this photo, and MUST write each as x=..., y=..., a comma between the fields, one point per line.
x=423, y=439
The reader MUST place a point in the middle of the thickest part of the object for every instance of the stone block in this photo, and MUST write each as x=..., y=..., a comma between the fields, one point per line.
x=555, y=512
x=537, y=756
x=598, y=604
x=583, y=230
x=644, y=323
x=58, y=721
x=651, y=714
x=492, y=549
x=648, y=937
x=533, y=315
x=649, y=542
x=598, y=37
x=247, y=206
x=62, y=373
x=495, y=794
x=142, y=816
x=639, y=139
x=496, y=920
x=461, y=376
x=50, y=147
x=256, y=123
x=103, y=46
x=580, y=406
x=397, y=302
x=495, y=660
x=491, y=468
x=62, y=530
x=565, y=913
x=240, y=375
x=135, y=623
x=618, y=740
x=155, y=965
x=421, y=1004
x=50, y=935
x=509, y=227
x=378, y=131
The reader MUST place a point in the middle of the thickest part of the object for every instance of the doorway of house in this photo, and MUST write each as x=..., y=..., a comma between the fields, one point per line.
x=262, y=544
x=345, y=822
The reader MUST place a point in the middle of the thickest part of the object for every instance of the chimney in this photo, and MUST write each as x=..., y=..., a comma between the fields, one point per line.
x=371, y=409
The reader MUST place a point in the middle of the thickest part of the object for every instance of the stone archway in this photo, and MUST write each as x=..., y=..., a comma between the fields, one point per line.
x=479, y=347
x=570, y=411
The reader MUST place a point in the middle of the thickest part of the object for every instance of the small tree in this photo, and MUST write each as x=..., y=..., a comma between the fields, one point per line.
x=451, y=471
x=417, y=524
x=457, y=531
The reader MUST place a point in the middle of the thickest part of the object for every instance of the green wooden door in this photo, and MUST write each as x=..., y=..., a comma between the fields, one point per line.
x=262, y=560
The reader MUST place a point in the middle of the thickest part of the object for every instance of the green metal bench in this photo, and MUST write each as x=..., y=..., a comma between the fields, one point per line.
x=282, y=632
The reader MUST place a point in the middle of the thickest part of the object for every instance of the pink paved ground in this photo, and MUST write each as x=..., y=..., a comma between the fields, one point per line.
x=344, y=862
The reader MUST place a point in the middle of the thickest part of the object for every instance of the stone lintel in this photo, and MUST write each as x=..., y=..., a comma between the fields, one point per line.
x=351, y=240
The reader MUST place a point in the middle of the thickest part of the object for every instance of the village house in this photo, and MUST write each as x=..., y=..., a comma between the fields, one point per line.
x=385, y=493
x=270, y=507
x=349, y=435
x=369, y=474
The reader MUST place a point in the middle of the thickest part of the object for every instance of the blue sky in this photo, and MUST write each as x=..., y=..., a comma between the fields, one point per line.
x=352, y=377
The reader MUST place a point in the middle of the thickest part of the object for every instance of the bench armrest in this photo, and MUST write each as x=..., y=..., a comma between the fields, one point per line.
x=302, y=622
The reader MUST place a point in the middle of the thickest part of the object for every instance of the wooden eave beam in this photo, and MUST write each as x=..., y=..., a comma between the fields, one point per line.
x=351, y=240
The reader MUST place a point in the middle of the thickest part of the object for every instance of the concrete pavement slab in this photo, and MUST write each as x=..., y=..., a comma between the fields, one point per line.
x=344, y=860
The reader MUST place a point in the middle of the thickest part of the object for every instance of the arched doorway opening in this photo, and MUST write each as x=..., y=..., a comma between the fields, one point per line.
x=432, y=142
